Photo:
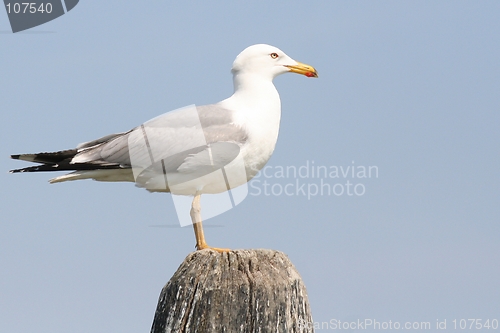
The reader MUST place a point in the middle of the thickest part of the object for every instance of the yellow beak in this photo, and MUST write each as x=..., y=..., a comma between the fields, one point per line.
x=303, y=69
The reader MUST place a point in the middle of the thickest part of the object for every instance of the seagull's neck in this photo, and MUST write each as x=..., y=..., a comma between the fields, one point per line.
x=251, y=81
x=256, y=93
x=257, y=109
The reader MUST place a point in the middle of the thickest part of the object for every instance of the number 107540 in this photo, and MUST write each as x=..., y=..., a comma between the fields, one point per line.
x=28, y=7
x=475, y=324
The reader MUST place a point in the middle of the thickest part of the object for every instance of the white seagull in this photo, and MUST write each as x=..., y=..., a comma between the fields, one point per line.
x=178, y=151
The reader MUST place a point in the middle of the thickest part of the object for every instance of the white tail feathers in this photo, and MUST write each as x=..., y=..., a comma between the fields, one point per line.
x=112, y=175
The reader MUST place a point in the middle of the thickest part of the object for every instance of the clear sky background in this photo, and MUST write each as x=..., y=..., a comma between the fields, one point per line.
x=409, y=87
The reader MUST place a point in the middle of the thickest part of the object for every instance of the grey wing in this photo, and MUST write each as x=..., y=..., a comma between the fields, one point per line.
x=218, y=126
x=176, y=137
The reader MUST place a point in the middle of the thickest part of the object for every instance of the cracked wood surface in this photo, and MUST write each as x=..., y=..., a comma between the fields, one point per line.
x=238, y=291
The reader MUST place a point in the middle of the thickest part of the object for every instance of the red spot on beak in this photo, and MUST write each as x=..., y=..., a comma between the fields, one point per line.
x=309, y=74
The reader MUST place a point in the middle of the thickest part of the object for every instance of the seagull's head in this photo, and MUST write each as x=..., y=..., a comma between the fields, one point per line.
x=269, y=61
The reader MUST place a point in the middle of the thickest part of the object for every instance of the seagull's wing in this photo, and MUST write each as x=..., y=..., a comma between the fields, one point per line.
x=175, y=136
x=178, y=140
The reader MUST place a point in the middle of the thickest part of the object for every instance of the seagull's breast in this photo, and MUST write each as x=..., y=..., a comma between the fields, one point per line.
x=258, y=113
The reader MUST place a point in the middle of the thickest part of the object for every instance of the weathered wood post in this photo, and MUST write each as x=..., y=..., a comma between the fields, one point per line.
x=238, y=291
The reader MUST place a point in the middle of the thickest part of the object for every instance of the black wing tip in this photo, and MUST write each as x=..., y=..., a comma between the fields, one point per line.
x=15, y=157
x=36, y=168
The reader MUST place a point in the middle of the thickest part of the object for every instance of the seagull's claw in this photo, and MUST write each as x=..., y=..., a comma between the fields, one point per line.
x=205, y=246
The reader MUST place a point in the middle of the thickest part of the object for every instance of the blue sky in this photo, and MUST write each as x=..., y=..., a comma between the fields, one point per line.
x=408, y=87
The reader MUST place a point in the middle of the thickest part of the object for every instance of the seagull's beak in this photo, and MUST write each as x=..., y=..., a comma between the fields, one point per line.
x=303, y=69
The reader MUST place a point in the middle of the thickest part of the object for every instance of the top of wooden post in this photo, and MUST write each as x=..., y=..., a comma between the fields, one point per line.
x=237, y=291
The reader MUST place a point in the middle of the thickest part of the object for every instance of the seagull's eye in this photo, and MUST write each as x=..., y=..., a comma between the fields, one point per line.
x=274, y=55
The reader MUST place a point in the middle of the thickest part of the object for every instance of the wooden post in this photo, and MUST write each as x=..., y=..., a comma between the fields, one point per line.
x=239, y=291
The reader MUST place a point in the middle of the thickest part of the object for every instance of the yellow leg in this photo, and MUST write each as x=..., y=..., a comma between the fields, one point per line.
x=198, y=226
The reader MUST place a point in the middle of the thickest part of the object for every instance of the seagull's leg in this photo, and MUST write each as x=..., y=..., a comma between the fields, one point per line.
x=198, y=226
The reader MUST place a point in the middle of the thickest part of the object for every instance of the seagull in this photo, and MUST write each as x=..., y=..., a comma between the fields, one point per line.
x=178, y=151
